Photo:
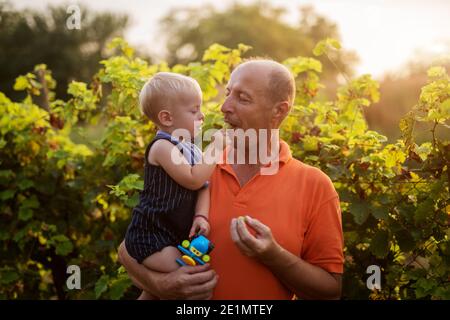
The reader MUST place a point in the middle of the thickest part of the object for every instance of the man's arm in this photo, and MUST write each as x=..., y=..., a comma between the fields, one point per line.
x=303, y=278
x=185, y=283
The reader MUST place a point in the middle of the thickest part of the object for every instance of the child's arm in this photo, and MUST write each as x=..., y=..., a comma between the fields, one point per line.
x=190, y=177
x=201, y=223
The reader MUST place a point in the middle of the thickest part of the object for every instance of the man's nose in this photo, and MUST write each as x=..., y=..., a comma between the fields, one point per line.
x=226, y=106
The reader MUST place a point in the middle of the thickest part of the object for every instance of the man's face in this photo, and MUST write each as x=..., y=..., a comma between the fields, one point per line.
x=246, y=105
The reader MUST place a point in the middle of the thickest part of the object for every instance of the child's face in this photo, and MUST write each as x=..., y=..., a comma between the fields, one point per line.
x=187, y=112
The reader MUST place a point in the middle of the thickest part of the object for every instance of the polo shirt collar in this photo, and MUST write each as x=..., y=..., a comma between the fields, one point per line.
x=284, y=156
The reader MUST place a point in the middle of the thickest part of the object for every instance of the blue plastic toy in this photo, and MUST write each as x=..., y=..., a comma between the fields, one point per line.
x=195, y=252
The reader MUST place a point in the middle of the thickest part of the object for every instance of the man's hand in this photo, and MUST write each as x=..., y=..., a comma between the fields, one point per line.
x=188, y=283
x=261, y=245
x=304, y=279
x=185, y=283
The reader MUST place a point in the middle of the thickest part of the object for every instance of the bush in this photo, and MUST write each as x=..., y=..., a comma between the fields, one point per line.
x=68, y=203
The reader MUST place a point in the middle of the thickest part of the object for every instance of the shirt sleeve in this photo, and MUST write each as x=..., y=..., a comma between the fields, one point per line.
x=323, y=240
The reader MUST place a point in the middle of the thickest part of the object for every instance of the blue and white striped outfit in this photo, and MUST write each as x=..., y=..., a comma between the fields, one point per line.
x=165, y=211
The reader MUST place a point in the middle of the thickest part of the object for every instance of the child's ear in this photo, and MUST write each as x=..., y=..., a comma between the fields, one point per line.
x=165, y=118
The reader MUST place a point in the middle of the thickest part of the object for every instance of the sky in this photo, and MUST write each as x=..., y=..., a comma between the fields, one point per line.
x=385, y=34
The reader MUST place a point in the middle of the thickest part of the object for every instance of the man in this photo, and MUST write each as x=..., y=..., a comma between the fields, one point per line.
x=290, y=241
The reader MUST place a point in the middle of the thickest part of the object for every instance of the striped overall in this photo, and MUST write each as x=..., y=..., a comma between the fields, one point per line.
x=165, y=211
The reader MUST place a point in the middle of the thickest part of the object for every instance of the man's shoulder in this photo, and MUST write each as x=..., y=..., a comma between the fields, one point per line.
x=316, y=181
x=307, y=171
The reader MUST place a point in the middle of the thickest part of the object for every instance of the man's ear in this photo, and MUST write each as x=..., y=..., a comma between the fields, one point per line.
x=280, y=111
x=165, y=118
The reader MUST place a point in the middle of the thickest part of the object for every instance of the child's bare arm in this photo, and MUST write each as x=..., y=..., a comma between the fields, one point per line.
x=202, y=206
x=200, y=223
x=190, y=177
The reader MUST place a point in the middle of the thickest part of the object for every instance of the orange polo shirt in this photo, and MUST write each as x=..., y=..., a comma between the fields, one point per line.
x=301, y=207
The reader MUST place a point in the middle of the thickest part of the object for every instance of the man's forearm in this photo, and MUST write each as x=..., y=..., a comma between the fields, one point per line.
x=138, y=271
x=188, y=282
x=303, y=278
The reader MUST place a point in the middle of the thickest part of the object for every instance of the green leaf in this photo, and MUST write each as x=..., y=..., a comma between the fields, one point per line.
x=405, y=240
x=301, y=64
x=415, y=274
x=310, y=143
x=64, y=248
x=442, y=293
x=380, y=213
x=25, y=210
x=31, y=202
x=379, y=245
x=424, y=210
x=25, y=184
x=324, y=45
x=63, y=245
x=8, y=276
x=6, y=176
x=359, y=211
x=214, y=52
x=445, y=109
x=25, y=213
x=424, y=287
x=60, y=238
x=101, y=285
x=119, y=287
x=383, y=199
x=21, y=83
x=20, y=234
x=139, y=185
x=436, y=72
x=8, y=194
x=133, y=201
x=424, y=150
x=243, y=47
x=77, y=89
x=319, y=49
x=334, y=43
x=4, y=235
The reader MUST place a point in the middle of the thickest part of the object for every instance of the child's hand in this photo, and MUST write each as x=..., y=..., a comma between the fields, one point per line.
x=199, y=226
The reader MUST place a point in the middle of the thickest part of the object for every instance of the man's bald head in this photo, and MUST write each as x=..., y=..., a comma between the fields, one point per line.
x=280, y=81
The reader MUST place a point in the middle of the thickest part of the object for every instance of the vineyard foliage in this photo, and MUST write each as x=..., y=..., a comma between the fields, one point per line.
x=70, y=172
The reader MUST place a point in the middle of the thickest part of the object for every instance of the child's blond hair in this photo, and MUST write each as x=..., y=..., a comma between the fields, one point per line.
x=161, y=90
